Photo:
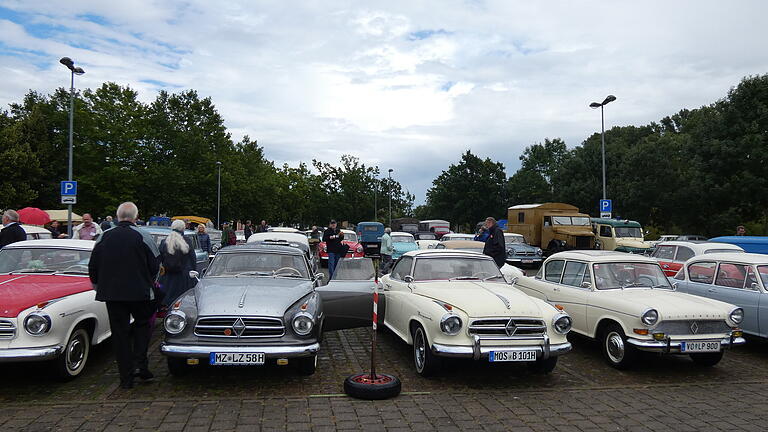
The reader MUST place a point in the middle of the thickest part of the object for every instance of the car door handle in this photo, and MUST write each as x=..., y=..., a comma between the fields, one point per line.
x=711, y=290
x=556, y=288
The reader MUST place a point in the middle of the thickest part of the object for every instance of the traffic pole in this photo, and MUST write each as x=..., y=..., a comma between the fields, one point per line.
x=375, y=321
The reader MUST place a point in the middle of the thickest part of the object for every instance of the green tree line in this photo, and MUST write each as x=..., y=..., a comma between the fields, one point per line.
x=162, y=155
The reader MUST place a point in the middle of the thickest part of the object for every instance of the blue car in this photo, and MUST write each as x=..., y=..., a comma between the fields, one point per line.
x=369, y=235
x=750, y=244
x=403, y=242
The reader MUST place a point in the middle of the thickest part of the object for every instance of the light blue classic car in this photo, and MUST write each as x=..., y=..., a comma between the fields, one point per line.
x=737, y=278
x=402, y=242
x=520, y=253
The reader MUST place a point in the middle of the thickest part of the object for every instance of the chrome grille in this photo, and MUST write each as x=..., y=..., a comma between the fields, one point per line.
x=239, y=327
x=692, y=327
x=509, y=327
x=7, y=329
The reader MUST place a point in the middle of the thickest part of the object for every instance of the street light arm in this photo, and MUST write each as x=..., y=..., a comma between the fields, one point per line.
x=595, y=105
x=609, y=99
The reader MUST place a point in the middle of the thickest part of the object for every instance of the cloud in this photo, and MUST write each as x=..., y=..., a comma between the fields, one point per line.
x=407, y=85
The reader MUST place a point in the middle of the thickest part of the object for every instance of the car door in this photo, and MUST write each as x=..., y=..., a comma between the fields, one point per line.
x=701, y=275
x=683, y=254
x=348, y=298
x=397, y=292
x=733, y=284
x=201, y=257
x=572, y=295
x=665, y=255
x=762, y=274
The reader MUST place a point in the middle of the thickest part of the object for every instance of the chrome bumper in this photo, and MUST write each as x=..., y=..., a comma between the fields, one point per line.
x=203, y=351
x=668, y=346
x=30, y=354
x=476, y=352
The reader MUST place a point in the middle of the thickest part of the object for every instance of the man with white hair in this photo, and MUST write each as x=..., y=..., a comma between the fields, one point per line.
x=12, y=231
x=123, y=268
x=386, y=250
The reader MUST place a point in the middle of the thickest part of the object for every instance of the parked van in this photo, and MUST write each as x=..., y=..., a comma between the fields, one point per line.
x=619, y=235
x=437, y=226
x=553, y=227
x=369, y=235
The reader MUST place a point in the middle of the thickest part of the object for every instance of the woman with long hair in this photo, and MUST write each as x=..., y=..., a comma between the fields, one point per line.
x=178, y=258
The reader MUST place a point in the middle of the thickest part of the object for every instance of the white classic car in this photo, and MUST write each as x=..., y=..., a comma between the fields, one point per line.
x=451, y=303
x=627, y=304
x=47, y=305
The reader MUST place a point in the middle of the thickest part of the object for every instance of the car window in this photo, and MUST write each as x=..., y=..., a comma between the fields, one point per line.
x=445, y=268
x=354, y=269
x=553, y=270
x=402, y=268
x=665, y=252
x=262, y=264
x=711, y=251
x=731, y=275
x=702, y=272
x=605, y=231
x=680, y=275
x=751, y=279
x=620, y=275
x=763, y=271
x=44, y=260
x=574, y=273
x=684, y=253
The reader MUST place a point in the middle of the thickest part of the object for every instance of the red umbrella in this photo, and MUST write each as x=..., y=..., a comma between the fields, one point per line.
x=33, y=216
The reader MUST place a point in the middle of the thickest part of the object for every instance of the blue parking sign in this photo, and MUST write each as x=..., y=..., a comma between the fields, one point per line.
x=69, y=187
x=606, y=205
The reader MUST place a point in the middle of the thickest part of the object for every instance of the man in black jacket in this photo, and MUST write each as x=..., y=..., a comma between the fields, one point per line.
x=332, y=238
x=12, y=231
x=124, y=265
x=494, y=244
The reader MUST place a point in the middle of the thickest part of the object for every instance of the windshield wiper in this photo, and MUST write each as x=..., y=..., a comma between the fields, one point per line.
x=253, y=273
x=463, y=278
x=492, y=277
x=69, y=272
x=289, y=275
x=22, y=271
x=635, y=285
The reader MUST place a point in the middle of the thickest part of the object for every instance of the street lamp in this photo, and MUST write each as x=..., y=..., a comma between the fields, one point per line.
x=608, y=99
x=66, y=61
x=375, y=190
x=390, y=197
x=218, y=198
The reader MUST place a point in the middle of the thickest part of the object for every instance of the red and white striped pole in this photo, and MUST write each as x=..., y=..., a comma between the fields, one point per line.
x=375, y=321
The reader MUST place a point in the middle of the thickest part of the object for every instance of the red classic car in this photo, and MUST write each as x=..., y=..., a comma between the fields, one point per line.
x=350, y=239
x=672, y=255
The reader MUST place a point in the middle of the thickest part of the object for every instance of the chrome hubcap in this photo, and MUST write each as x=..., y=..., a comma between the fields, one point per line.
x=75, y=353
x=614, y=346
x=419, y=350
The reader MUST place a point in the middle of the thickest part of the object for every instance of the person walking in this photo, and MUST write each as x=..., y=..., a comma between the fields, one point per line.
x=177, y=255
x=263, y=227
x=332, y=238
x=12, y=231
x=87, y=230
x=228, y=236
x=247, y=229
x=204, y=239
x=494, y=244
x=387, y=249
x=123, y=268
x=107, y=224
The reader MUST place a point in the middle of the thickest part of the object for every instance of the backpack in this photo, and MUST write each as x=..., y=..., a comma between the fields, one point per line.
x=231, y=238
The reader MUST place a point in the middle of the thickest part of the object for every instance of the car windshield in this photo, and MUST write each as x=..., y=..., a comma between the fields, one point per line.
x=514, y=238
x=258, y=263
x=456, y=268
x=350, y=237
x=354, y=269
x=44, y=260
x=629, y=275
x=429, y=236
x=402, y=239
x=567, y=220
x=628, y=232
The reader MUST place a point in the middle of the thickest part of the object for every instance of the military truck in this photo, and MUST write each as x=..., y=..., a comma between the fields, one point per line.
x=554, y=227
x=619, y=235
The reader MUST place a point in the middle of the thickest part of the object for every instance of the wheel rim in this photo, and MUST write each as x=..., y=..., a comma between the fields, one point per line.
x=419, y=350
x=614, y=347
x=76, y=352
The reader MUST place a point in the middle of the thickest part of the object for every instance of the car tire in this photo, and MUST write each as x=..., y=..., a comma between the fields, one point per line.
x=178, y=366
x=72, y=361
x=426, y=363
x=543, y=366
x=617, y=352
x=707, y=359
x=362, y=386
x=308, y=365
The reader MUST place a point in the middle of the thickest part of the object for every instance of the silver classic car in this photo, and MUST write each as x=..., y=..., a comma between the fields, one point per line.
x=259, y=303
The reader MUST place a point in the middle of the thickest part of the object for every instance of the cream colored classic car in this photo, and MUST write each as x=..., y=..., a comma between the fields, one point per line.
x=451, y=303
x=627, y=304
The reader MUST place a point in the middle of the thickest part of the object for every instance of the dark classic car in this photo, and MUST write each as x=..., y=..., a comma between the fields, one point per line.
x=260, y=303
x=520, y=253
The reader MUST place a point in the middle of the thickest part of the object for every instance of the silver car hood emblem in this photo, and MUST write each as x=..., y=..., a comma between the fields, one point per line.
x=238, y=327
x=511, y=328
x=694, y=328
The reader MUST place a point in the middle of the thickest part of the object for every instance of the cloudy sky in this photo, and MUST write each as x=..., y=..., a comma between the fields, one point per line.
x=403, y=84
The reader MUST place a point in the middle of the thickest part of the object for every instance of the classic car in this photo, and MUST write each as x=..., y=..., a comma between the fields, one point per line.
x=619, y=235
x=752, y=244
x=451, y=303
x=507, y=270
x=663, y=238
x=47, y=305
x=283, y=229
x=297, y=240
x=627, y=304
x=671, y=255
x=691, y=237
x=35, y=232
x=426, y=240
x=159, y=233
x=740, y=279
x=259, y=303
x=402, y=242
x=457, y=236
x=240, y=237
x=369, y=234
x=350, y=239
x=438, y=226
x=521, y=253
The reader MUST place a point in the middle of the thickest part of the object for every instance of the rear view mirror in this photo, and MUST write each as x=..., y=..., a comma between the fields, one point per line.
x=194, y=275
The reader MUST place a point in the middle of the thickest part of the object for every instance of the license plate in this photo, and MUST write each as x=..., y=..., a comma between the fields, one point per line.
x=527, y=261
x=511, y=356
x=236, y=359
x=370, y=246
x=704, y=346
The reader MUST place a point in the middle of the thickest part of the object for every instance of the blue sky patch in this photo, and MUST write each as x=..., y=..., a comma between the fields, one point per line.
x=426, y=34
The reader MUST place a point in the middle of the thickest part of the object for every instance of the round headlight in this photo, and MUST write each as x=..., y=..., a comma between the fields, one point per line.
x=37, y=324
x=359, y=249
x=450, y=324
x=175, y=322
x=302, y=323
x=737, y=316
x=650, y=317
x=562, y=323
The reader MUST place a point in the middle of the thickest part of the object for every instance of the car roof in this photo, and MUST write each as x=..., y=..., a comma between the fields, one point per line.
x=445, y=252
x=261, y=247
x=700, y=247
x=601, y=256
x=747, y=258
x=346, y=231
x=462, y=244
x=54, y=243
x=283, y=229
x=291, y=237
x=154, y=229
x=617, y=222
x=400, y=233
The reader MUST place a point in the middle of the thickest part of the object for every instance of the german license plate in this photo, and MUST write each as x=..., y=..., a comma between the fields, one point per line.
x=511, y=356
x=696, y=347
x=236, y=359
x=527, y=261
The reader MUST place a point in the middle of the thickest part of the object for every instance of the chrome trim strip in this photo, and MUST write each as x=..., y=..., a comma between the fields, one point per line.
x=477, y=352
x=30, y=354
x=275, y=351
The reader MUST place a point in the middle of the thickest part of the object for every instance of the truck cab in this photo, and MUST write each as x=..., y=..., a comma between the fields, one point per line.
x=553, y=227
x=619, y=235
x=369, y=235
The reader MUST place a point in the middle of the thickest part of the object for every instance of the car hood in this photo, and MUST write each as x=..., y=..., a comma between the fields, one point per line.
x=405, y=247
x=632, y=243
x=671, y=305
x=22, y=291
x=520, y=247
x=573, y=230
x=263, y=296
x=480, y=299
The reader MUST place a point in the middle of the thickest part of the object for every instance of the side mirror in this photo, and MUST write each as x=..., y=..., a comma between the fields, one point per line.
x=512, y=281
x=586, y=285
x=408, y=278
x=194, y=274
x=674, y=286
x=319, y=276
x=754, y=286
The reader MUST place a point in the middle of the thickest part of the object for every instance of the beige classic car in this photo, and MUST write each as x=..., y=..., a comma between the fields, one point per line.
x=627, y=304
x=452, y=303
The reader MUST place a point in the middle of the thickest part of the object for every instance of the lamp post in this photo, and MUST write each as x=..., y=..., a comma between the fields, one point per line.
x=66, y=61
x=375, y=203
x=608, y=99
x=390, y=196
x=218, y=198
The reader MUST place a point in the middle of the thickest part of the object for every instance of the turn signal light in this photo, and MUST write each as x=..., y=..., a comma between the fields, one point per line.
x=193, y=362
x=659, y=336
x=282, y=362
x=559, y=307
x=304, y=306
x=737, y=333
x=641, y=331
